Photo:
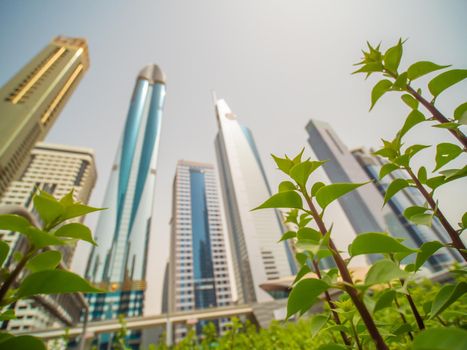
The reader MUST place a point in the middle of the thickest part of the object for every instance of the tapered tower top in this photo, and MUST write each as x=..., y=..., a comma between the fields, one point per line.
x=153, y=74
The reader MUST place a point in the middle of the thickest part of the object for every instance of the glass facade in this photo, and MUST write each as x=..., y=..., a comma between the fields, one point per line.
x=199, y=276
x=118, y=263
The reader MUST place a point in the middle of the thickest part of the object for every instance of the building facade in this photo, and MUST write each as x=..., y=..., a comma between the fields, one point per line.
x=257, y=257
x=198, y=267
x=57, y=170
x=32, y=100
x=416, y=235
x=118, y=263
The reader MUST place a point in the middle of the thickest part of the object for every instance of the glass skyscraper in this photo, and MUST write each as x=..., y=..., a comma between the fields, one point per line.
x=118, y=263
x=257, y=257
x=198, y=267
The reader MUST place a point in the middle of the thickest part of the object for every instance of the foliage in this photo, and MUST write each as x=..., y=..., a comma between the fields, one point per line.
x=38, y=270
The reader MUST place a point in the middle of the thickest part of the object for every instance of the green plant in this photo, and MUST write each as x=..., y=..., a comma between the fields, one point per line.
x=398, y=154
x=307, y=203
x=37, y=270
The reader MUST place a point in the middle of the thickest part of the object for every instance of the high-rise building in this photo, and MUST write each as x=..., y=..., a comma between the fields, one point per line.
x=118, y=263
x=364, y=206
x=416, y=235
x=253, y=235
x=56, y=169
x=199, y=273
x=31, y=101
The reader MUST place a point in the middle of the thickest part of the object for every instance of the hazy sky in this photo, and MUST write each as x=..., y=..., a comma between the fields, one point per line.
x=277, y=64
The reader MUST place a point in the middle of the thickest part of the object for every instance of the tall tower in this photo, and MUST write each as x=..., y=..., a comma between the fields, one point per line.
x=253, y=235
x=416, y=234
x=199, y=274
x=31, y=101
x=56, y=169
x=118, y=263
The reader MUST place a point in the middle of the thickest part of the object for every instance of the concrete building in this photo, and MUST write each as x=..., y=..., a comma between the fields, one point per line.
x=257, y=257
x=32, y=100
x=57, y=170
x=119, y=261
x=198, y=268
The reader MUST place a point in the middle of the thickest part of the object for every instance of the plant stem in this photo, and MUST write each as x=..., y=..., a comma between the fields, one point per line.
x=413, y=307
x=348, y=282
x=15, y=273
x=459, y=135
x=355, y=334
x=456, y=241
x=404, y=320
x=331, y=304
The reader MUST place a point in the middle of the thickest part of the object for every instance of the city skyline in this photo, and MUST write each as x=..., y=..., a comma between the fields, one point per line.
x=100, y=104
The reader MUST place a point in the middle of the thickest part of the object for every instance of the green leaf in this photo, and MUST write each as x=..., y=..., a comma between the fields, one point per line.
x=76, y=230
x=286, y=186
x=385, y=300
x=454, y=174
x=422, y=219
x=304, y=295
x=435, y=182
x=379, y=90
x=23, y=342
x=392, y=57
x=376, y=242
x=54, y=282
x=48, y=260
x=14, y=223
x=7, y=315
x=298, y=158
x=410, y=101
x=287, y=199
x=447, y=295
x=445, y=80
x=302, y=171
x=283, y=164
x=332, y=347
x=460, y=114
x=395, y=186
x=76, y=210
x=464, y=220
x=387, y=169
x=309, y=233
x=67, y=200
x=317, y=323
x=421, y=68
x=422, y=175
x=383, y=271
x=449, y=125
x=400, y=83
x=301, y=258
x=302, y=272
x=426, y=250
x=415, y=117
x=327, y=194
x=441, y=339
x=445, y=152
x=316, y=186
x=288, y=235
x=4, y=249
x=49, y=208
x=41, y=239
x=414, y=149
x=292, y=216
x=370, y=68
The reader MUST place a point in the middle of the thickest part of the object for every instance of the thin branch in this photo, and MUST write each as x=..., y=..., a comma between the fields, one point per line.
x=456, y=241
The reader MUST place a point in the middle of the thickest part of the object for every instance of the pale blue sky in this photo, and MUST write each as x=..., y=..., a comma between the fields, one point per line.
x=277, y=64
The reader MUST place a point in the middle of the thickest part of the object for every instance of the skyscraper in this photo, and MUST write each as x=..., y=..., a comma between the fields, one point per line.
x=416, y=234
x=253, y=236
x=118, y=263
x=31, y=101
x=56, y=169
x=199, y=274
